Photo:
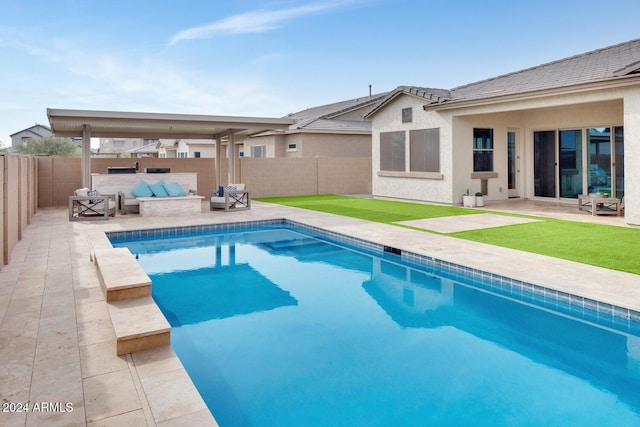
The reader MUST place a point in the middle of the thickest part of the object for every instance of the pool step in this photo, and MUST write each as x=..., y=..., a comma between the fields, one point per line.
x=137, y=321
x=139, y=325
x=120, y=275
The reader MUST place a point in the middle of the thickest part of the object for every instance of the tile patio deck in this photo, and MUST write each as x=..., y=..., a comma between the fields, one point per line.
x=57, y=343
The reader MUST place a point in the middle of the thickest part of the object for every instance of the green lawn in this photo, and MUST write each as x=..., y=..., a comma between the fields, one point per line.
x=606, y=246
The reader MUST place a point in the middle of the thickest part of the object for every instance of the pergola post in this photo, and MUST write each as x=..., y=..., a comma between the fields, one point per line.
x=218, y=160
x=231, y=158
x=86, y=156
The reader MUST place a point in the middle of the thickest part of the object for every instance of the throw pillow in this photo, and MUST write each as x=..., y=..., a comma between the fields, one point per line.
x=142, y=190
x=93, y=193
x=173, y=189
x=158, y=189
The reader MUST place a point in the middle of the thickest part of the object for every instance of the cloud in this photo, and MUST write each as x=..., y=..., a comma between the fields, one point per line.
x=252, y=22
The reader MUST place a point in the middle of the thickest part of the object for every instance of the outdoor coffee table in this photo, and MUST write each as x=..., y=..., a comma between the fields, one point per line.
x=599, y=205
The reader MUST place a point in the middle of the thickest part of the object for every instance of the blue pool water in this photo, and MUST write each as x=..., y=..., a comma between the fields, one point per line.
x=280, y=328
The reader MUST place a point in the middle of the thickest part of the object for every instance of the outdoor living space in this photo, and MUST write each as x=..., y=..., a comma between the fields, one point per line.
x=58, y=341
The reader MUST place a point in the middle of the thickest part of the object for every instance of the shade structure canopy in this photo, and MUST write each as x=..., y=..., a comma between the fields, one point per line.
x=120, y=124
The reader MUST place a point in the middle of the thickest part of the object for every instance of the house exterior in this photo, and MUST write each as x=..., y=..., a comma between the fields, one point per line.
x=149, y=150
x=333, y=130
x=550, y=132
x=163, y=148
x=195, y=148
x=34, y=132
x=125, y=145
x=186, y=148
x=167, y=149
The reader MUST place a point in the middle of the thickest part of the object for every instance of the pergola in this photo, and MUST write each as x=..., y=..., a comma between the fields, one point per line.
x=110, y=124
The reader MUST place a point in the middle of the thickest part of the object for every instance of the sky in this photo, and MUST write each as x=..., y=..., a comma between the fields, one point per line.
x=271, y=58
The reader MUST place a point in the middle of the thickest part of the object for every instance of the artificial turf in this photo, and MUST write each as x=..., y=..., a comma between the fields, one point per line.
x=613, y=247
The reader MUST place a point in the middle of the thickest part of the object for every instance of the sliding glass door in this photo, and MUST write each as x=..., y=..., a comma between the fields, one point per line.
x=513, y=160
x=591, y=158
x=570, y=163
x=618, y=165
x=599, y=146
x=544, y=163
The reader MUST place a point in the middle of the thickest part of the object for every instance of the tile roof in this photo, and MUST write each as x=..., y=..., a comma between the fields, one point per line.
x=328, y=116
x=340, y=125
x=610, y=63
x=430, y=95
x=621, y=61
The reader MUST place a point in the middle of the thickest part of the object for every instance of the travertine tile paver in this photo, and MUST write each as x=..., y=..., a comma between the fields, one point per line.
x=111, y=394
x=132, y=418
x=182, y=400
x=452, y=224
x=98, y=359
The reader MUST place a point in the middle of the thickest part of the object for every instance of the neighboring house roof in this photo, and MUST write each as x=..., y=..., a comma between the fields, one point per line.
x=613, y=63
x=198, y=142
x=145, y=149
x=36, y=131
x=339, y=116
x=339, y=125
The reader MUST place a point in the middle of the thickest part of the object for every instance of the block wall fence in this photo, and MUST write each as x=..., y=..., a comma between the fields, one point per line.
x=58, y=177
x=19, y=199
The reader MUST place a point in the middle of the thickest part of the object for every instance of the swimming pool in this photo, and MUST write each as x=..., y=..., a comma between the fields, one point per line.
x=278, y=327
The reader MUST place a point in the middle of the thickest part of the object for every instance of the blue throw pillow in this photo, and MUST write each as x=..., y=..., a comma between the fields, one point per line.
x=173, y=189
x=142, y=190
x=158, y=189
x=220, y=191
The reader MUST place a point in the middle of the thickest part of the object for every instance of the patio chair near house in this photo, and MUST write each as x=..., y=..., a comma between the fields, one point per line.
x=88, y=204
x=232, y=197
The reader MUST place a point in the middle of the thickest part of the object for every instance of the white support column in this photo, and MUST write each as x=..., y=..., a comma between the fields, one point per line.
x=218, y=161
x=231, y=158
x=86, y=156
x=632, y=156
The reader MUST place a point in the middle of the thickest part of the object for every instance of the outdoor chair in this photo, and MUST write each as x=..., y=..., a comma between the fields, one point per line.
x=233, y=197
x=90, y=204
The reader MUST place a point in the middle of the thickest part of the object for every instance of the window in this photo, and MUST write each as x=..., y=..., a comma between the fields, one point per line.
x=196, y=154
x=118, y=143
x=150, y=141
x=259, y=151
x=392, y=151
x=292, y=147
x=482, y=150
x=407, y=115
x=424, y=150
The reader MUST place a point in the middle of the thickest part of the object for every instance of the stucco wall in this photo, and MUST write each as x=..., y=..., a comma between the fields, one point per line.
x=334, y=145
x=632, y=156
x=304, y=176
x=313, y=144
x=389, y=119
